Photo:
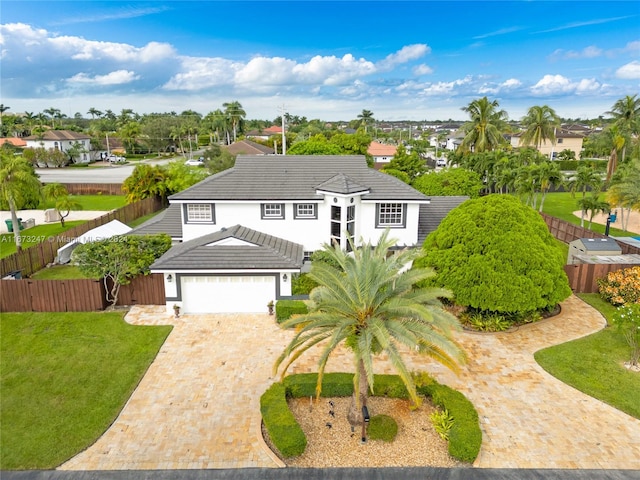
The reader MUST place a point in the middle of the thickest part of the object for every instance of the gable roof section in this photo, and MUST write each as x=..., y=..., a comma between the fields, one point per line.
x=296, y=177
x=266, y=252
x=431, y=215
x=169, y=222
x=249, y=148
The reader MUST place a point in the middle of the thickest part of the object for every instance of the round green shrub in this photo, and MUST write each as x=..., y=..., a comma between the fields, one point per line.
x=496, y=254
x=382, y=427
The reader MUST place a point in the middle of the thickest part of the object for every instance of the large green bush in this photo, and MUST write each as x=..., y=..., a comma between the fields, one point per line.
x=496, y=254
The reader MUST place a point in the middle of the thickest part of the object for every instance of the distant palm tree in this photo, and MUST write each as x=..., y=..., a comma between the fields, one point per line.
x=484, y=131
x=235, y=113
x=94, y=112
x=593, y=205
x=3, y=108
x=540, y=125
x=618, y=142
x=366, y=118
x=372, y=308
x=626, y=115
x=53, y=113
x=583, y=179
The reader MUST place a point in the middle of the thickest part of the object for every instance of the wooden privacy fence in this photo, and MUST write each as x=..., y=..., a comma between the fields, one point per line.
x=568, y=232
x=583, y=278
x=82, y=295
x=38, y=256
x=94, y=188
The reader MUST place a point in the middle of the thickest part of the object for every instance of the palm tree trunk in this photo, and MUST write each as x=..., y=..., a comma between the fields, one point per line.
x=359, y=398
x=16, y=225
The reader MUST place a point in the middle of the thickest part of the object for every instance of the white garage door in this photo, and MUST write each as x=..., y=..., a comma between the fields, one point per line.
x=227, y=294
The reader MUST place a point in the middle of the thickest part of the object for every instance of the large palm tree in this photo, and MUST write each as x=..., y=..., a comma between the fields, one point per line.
x=583, y=179
x=626, y=116
x=18, y=181
x=484, y=131
x=624, y=191
x=235, y=113
x=594, y=205
x=540, y=125
x=371, y=307
x=3, y=108
x=366, y=118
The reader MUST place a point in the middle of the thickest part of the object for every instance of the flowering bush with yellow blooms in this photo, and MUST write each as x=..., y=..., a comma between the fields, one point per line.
x=621, y=287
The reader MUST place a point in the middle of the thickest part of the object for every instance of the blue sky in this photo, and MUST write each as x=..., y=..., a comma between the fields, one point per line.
x=329, y=60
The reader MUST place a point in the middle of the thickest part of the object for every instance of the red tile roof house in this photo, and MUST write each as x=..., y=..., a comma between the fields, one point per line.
x=381, y=153
x=62, y=140
x=241, y=234
x=15, y=141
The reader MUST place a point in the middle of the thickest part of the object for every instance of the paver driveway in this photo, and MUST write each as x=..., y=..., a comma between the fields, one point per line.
x=198, y=405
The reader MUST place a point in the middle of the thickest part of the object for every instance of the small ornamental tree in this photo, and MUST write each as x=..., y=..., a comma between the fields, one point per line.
x=119, y=259
x=497, y=255
x=627, y=321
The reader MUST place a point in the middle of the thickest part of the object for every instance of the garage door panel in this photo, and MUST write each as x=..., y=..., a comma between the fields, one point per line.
x=227, y=294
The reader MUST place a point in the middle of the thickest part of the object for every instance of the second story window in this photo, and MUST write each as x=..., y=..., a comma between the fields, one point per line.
x=199, y=212
x=305, y=210
x=273, y=210
x=391, y=215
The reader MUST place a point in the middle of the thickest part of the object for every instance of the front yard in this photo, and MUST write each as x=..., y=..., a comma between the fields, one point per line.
x=65, y=378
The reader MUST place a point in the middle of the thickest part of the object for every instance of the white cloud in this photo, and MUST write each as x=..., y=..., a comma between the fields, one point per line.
x=118, y=77
x=559, y=85
x=588, y=52
x=404, y=55
x=201, y=73
x=630, y=71
x=422, y=69
x=333, y=70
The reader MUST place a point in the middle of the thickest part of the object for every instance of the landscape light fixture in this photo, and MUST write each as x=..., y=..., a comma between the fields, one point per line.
x=169, y=278
x=284, y=277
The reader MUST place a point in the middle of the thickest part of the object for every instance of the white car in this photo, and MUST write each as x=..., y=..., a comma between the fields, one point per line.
x=195, y=162
x=441, y=162
x=115, y=158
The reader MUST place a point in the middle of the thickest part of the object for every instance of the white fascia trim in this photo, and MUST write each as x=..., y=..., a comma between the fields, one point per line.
x=257, y=202
x=425, y=202
x=342, y=195
x=228, y=272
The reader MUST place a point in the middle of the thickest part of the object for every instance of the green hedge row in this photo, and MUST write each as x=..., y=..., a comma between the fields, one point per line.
x=465, y=437
x=572, y=165
x=286, y=308
x=284, y=430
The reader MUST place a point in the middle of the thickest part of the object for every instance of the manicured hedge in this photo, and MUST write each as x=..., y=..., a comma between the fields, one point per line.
x=286, y=308
x=465, y=437
x=284, y=430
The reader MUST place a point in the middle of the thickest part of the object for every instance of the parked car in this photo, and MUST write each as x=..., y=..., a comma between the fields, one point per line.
x=195, y=162
x=113, y=158
x=441, y=162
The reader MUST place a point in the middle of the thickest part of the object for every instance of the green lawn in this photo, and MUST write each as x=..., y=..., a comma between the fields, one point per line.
x=594, y=364
x=34, y=235
x=65, y=378
x=58, y=272
x=95, y=202
x=562, y=205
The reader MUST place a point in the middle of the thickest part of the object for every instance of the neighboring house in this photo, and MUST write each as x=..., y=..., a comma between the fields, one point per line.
x=15, y=141
x=565, y=140
x=247, y=147
x=381, y=153
x=265, y=134
x=62, y=140
x=269, y=213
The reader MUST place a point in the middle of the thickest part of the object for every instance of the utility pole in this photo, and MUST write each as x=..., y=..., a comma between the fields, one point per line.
x=282, y=110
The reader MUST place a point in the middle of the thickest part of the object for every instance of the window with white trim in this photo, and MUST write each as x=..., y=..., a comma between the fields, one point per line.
x=305, y=210
x=199, y=212
x=391, y=215
x=273, y=210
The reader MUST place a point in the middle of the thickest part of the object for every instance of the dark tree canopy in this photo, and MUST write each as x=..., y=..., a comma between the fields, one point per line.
x=496, y=254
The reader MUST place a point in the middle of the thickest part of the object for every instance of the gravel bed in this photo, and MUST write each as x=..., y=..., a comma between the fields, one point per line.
x=417, y=443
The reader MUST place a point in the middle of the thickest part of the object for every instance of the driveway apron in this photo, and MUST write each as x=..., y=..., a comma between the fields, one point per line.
x=198, y=405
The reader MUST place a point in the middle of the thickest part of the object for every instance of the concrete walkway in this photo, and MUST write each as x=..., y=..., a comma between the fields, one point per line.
x=198, y=405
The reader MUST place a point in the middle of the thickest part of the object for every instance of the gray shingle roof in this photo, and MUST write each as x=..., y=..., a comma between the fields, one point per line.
x=295, y=177
x=266, y=252
x=169, y=222
x=431, y=215
x=341, y=183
